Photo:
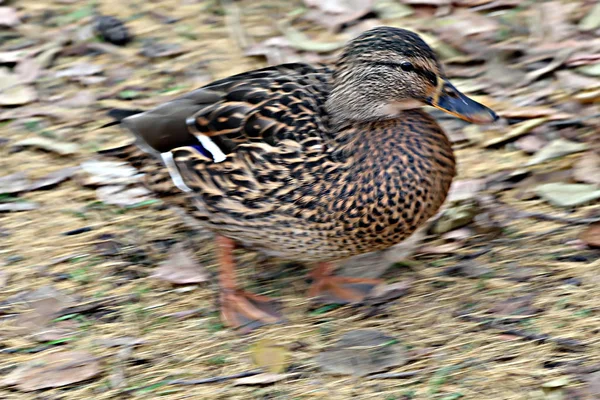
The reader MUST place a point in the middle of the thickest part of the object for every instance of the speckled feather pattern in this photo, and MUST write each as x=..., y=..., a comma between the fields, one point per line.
x=291, y=185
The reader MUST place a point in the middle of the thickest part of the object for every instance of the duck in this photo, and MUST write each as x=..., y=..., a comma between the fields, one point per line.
x=306, y=163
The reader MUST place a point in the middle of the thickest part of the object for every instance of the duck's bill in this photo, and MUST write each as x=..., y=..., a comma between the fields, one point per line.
x=450, y=100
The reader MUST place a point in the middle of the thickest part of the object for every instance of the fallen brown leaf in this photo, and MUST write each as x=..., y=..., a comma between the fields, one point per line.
x=59, y=330
x=53, y=370
x=360, y=353
x=522, y=305
x=14, y=183
x=122, y=196
x=587, y=168
x=43, y=143
x=81, y=69
x=181, y=268
x=386, y=293
x=591, y=235
x=530, y=144
x=18, y=206
x=98, y=173
x=28, y=70
x=465, y=189
x=9, y=17
x=555, y=149
x=17, y=95
x=270, y=356
x=561, y=194
x=53, y=178
x=335, y=13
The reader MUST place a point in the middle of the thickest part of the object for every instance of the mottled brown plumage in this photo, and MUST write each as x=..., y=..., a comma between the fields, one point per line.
x=310, y=163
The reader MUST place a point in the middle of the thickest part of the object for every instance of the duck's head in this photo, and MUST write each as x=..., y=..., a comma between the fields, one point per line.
x=387, y=70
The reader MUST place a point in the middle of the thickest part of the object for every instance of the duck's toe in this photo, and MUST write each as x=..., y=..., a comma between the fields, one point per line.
x=247, y=311
x=341, y=289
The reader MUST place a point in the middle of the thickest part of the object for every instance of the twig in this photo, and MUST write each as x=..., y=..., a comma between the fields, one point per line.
x=397, y=375
x=536, y=337
x=95, y=304
x=215, y=379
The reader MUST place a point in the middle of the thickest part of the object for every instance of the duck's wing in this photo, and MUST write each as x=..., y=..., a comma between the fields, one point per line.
x=265, y=105
x=243, y=139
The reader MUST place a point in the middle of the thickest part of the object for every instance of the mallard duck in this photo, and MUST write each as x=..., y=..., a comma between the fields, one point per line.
x=307, y=163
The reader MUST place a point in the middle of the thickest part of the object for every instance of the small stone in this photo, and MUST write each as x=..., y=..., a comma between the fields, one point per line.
x=112, y=30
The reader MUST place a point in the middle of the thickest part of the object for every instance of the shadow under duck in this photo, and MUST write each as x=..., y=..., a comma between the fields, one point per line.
x=307, y=163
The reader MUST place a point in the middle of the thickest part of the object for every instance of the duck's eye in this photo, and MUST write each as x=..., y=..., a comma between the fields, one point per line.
x=407, y=66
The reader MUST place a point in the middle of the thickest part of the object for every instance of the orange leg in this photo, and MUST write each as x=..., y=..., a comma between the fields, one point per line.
x=328, y=288
x=240, y=309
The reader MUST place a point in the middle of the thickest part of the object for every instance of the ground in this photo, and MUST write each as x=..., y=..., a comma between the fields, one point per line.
x=523, y=325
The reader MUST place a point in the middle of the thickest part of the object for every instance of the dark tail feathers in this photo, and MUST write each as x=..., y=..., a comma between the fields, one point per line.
x=119, y=114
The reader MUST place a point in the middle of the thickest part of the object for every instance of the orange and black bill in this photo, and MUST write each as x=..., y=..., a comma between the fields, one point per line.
x=447, y=98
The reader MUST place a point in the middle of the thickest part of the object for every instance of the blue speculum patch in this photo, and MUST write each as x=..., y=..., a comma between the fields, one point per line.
x=203, y=151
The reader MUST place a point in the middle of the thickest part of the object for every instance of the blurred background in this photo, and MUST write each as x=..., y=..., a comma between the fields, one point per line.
x=105, y=292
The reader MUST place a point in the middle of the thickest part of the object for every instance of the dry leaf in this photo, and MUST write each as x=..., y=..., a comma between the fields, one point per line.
x=568, y=194
x=375, y=264
x=530, y=144
x=28, y=70
x=521, y=305
x=593, y=380
x=53, y=178
x=592, y=20
x=368, y=265
x=574, y=82
x=98, y=173
x=465, y=189
x=591, y=235
x=9, y=17
x=590, y=70
x=360, y=353
x=19, y=206
x=120, y=341
x=386, y=293
x=81, y=69
x=587, y=168
x=270, y=356
x=551, y=24
x=17, y=95
x=14, y=183
x=53, y=370
x=47, y=144
x=121, y=196
x=555, y=149
x=335, y=13
x=300, y=41
x=391, y=9
x=516, y=132
x=277, y=50
x=81, y=99
x=181, y=267
x=260, y=379
x=44, y=310
x=59, y=330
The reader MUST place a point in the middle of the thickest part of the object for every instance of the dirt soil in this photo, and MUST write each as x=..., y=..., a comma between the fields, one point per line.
x=505, y=306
